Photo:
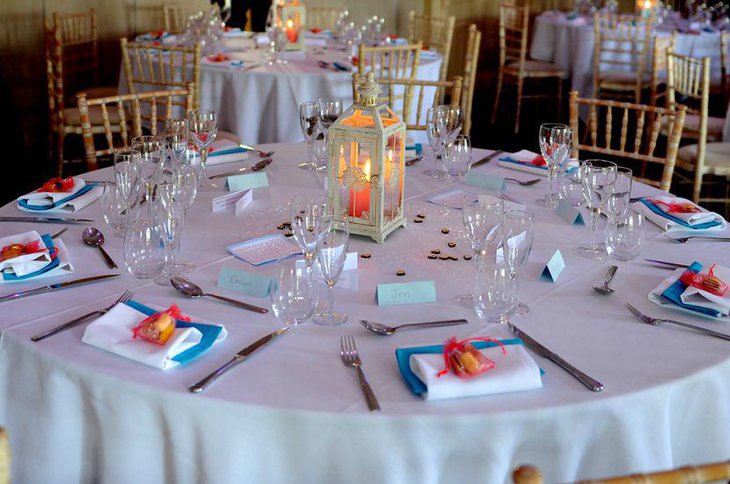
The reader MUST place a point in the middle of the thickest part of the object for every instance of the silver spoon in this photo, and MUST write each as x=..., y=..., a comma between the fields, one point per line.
x=386, y=330
x=257, y=167
x=193, y=290
x=526, y=183
x=413, y=161
x=605, y=290
x=94, y=238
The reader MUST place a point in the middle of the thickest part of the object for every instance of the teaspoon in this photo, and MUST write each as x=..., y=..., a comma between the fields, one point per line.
x=386, y=330
x=193, y=290
x=605, y=290
x=94, y=238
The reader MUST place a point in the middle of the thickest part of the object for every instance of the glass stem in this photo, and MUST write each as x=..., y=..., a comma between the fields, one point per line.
x=148, y=198
x=595, y=213
x=310, y=151
x=551, y=179
x=330, y=298
x=203, y=163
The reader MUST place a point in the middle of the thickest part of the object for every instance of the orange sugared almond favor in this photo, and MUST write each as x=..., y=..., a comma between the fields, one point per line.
x=159, y=327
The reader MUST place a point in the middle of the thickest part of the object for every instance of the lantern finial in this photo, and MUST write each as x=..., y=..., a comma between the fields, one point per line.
x=367, y=89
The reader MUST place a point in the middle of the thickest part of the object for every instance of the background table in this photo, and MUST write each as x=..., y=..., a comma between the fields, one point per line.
x=293, y=412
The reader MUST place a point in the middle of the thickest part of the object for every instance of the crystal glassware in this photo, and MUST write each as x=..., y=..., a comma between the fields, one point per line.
x=518, y=235
x=203, y=127
x=308, y=222
x=176, y=135
x=308, y=120
x=170, y=212
x=329, y=110
x=597, y=179
x=126, y=174
x=293, y=295
x=556, y=141
x=448, y=121
x=457, y=157
x=114, y=209
x=495, y=289
x=618, y=203
x=144, y=253
x=151, y=155
x=434, y=142
x=625, y=236
x=482, y=216
x=331, y=254
x=571, y=189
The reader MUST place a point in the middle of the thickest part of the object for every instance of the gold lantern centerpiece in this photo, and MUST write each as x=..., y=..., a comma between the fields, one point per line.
x=366, y=152
x=291, y=16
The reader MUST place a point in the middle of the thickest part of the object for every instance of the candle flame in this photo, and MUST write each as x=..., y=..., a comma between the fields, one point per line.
x=290, y=24
x=366, y=169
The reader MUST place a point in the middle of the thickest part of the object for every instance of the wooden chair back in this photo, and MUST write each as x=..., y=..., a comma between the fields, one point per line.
x=130, y=119
x=390, y=61
x=323, y=18
x=149, y=67
x=176, y=16
x=76, y=44
x=5, y=457
x=622, y=43
x=76, y=28
x=436, y=33
x=638, y=146
x=660, y=46
x=513, y=33
x=471, y=59
x=414, y=114
x=725, y=64
x=54, y=75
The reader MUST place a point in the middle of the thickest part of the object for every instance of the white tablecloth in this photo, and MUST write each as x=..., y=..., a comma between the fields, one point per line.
x=294, y=413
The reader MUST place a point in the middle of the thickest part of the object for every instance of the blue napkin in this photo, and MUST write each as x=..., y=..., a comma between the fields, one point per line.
x=229, y=151
x=48, y=241
x=210, y=333
x=403, y=355
x=659, y=211
x=24, y=203
x=523, y=163
x=674, y=294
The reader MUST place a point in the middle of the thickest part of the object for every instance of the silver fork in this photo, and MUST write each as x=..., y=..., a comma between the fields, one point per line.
x=126, y=296
x=351, y=358
x=655, y=322
x=683, y=240
x=526, y=183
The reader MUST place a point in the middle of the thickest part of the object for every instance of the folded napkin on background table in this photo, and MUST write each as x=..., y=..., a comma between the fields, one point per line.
x=27, y=265
x=78, y=197
x=513, y=371
x=672, y=293
x=226, y=151
x=525, y=160
x=659, y=211
x=113, y=332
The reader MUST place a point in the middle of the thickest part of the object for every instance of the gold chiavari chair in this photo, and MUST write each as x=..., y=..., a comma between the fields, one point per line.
x=390, y=62
x=323, y=18
x=5, y=457
x=176, y=16
x=471, y=59
x=620, y=55
x=660, y=46
x=77, y=34
x=128, y=115
x=639, y=145
x=434, y=33
x=513, y=62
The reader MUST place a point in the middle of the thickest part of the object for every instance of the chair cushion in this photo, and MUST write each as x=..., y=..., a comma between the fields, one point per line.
x=717, y=157
x=692, y=126
x=72, y=116
x=227, y=135
x=533, y=67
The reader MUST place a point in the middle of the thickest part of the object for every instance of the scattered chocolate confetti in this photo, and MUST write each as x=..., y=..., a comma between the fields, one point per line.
x=467, y=257
x=280, y=227
x=433, y=256
x=420, y=215
x=443, y=257
x=436, y=251
x=451, y=257
x=400, y=272
x=451, y=244
x=365, y=255
x=288, y=234
x=417, y=221
x=445, y=230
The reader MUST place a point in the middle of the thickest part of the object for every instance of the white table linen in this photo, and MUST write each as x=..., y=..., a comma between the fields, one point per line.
x=293, y=412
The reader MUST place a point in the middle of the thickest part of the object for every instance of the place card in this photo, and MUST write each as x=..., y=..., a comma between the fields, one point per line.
x=239, y=199
x=405, y=293
x=554, y=267
x=247, y=180
x=244, y=282
x=569, y=213
x=264, y=249
x=484, y=180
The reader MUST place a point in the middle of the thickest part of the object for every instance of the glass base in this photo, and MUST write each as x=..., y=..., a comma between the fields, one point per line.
x=598, y=253
x=548, y=202
x=309, y=165
x=333, y=318
x=521, y=309
x=163, y=278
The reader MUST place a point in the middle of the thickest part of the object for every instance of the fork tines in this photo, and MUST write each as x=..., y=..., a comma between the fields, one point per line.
x=638, y=313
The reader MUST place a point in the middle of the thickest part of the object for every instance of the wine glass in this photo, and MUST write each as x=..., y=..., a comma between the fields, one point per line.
x=482, y=216
x=618, y=203
x=144, y=253
x=308, y=120
x=151, y=155
x=176, y=135
x=126, y=174
x=170, y=211
x=495, y=289
x=331, y=254
x=569, y=181
x=114, y=208
x=518, y=232
x=625, y=236
x=457, y=157
x=597, y=179
x=448, y=121
x=203, y=126
x=329, y=110
x=308, y=222
x=293, y=296
x=556, y=141
x=435, y=142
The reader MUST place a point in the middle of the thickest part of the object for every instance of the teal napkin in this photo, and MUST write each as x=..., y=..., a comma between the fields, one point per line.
x=674, y=294
x=659, y=211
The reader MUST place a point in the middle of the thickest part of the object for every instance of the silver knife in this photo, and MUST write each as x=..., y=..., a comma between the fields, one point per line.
x=257, y=167
x=54, y=287
x=674, y=265
x=47, y=220
x=486, y=158
x=586, y=380
x=240, y=357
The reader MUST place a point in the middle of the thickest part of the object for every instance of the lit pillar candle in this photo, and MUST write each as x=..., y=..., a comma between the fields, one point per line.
x=291, y=33
x=360, y=200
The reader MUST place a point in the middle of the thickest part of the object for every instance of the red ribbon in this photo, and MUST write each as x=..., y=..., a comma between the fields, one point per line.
x=672, y=207
x=29, y=248
x=538, y=161
x=451, y=345
x=58, y=185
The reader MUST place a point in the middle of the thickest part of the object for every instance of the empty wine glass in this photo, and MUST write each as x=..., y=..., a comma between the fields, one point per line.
x=170, y=211
x=495, y=289
x=308, y=120
x=293, y=295
x=126, y=174
x=114, y=209
x=448, y=121
x=597, y=179
x=482, y=216
x=308, y=222
x=625, y=236
x=618, y=203
x=144, y=253
x=329, y=110
x=203, y=127
x=151, y=155
x=331, y=255
x=555, y=141
x=518, y=232
x=176, y=135
x=571, y=189
x=435, y=142
x=457, y=157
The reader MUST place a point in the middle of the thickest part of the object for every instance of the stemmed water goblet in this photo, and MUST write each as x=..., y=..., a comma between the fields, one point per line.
x=151, y=155
x=556, y=141
x=331, y=255
x=169, y=208
x=176, y=135
x=329, y=110
x=203, y=127
x=625, y=236
x=448, y=121
x=308, y=120
x=457, y=157
x=482, y=217
x=518, y=232
x=597, y=179
x=618, y=203
x=435, y=143
x=308, y=222
x=293, y=294
x=126, y=174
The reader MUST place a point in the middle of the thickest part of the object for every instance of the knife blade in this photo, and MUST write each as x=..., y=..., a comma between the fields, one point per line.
x=239, y=358
x=257, y=167
x=46, y=220
x=674, y=265
x=54, y=287
x=587, y=381
x=486, y=158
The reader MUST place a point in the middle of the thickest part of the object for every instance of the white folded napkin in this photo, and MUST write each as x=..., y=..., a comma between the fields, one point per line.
x=218, y=155
x=512, y=372
x=53, y=202
x=704, y=299
x=520, y=161
x=113, y=332
x=691, y=220
x=25, y=263
x=711, y=305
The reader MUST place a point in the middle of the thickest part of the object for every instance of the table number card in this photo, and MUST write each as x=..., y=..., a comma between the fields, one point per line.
x=244, y=282
x=405, y=293
x=263, y=249
x=554, y=267
x=239, y=200
x=484, y=180
x=247, y=180
x=569, y=213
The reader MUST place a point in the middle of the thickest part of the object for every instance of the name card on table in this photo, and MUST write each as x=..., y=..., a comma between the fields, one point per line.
x=484, y=180
x=245, y=282
x=405, y=293
x=554, y=267
x=569, y=213
x=246, y=181
x=239, y=200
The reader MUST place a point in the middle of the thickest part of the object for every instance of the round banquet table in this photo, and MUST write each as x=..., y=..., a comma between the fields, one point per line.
x=569, y=44
x=294, y=413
